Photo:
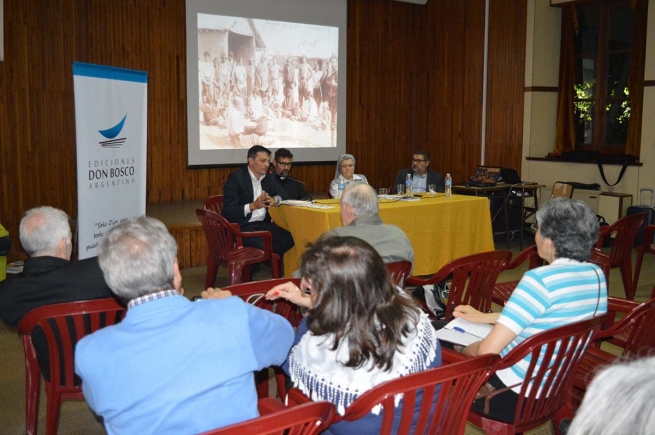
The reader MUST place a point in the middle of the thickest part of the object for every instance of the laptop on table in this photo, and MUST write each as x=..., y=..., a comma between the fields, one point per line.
x=485, y=176
x=511, y=176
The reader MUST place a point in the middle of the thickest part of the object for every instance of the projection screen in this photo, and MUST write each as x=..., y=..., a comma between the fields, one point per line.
x=269, y=73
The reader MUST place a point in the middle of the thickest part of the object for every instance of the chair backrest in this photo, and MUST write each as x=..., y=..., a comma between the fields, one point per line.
x=531, y=255
x=399, y=271
x=251, y=291
x=214, y=203
x=555, y=355
x=637, y=328
x=624, y=230
x=455, y=386
x=305, y=419
x=221, y=236
x=473, y=279
x=63, y=326
x=562, y=190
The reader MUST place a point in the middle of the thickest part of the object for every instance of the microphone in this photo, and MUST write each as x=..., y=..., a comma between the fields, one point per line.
x=302, y=183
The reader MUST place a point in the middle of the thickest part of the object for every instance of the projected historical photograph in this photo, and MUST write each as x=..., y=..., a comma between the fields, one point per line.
x=265, y=82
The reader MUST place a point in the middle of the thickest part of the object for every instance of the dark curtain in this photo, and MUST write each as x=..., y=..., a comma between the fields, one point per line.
x=565, y=133
x=636, y=78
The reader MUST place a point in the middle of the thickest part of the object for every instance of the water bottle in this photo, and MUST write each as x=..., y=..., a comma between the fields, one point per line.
x=342, y=187
x=449, y=186
x=408, y=185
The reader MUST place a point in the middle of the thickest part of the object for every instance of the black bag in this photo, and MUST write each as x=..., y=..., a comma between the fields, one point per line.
x=648, y=209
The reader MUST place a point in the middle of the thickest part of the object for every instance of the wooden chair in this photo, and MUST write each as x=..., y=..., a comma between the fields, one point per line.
x=562, y=190
x=307, y=419
x=473, y=279
x=214, y=203
x=62, y=325
x=503, y=290
x=555, y=374
x=224, y=241
x=620, y=254
x=250, y=292
x=399, y=271
x=646, y=247
x=635, y=333
x=455, y=386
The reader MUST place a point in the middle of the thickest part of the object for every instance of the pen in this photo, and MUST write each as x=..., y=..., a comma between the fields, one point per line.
x=458, y=329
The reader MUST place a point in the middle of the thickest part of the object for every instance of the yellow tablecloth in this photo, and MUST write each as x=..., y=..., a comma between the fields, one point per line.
x=440, y=229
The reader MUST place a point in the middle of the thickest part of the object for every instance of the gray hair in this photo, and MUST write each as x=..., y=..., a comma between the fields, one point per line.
x=41, y=230
x=620, y=400
x=571, y=225
x=343, y=157
x=137, y=257
x=362, y=199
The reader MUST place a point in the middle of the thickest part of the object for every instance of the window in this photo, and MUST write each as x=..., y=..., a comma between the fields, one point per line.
x=602, y=48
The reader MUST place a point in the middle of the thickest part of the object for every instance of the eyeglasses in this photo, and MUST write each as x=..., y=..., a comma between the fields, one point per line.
x=347, y=166
x=417, y=160
x=285, y=164
x=535, y=227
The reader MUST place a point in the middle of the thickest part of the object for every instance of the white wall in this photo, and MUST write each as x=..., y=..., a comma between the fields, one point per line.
x=540, y=110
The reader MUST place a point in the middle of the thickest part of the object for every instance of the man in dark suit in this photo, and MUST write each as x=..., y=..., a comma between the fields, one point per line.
x=247, y=195
x=422, y=177
x=289, y=187
x=48, y=276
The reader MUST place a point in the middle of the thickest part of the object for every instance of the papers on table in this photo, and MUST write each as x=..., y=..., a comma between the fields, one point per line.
x=295, y=203
x=463, y=332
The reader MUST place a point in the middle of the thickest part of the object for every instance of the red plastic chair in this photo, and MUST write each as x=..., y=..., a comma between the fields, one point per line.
x=60, y=323
x=620, y=254
x=555, y=374
x=224, y=240
x=306, y=419
x=635, y=333
x=250, y=292
x=456, y=384
x=647, y=247
x=473, y=279
x=214, y=203
x=399, y=271
x=503, y=290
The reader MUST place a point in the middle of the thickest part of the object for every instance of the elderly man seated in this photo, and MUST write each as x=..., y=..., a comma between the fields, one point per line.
x=172, y=366
x=359, y=216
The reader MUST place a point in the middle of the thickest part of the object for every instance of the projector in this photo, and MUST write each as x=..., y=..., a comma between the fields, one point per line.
x=416, y=2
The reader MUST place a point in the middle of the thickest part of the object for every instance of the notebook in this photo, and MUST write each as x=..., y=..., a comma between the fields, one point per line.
x=485, y=176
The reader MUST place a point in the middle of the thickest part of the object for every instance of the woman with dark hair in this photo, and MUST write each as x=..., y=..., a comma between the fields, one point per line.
x=360, y=330
x=567, y=290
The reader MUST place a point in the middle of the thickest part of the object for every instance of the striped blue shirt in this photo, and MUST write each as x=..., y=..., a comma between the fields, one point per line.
x=561, y=293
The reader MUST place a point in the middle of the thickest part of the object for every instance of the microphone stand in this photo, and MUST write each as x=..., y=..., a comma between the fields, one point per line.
x=302, y=183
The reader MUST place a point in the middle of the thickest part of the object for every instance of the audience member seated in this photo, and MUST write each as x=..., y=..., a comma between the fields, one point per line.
x=48, y=277
x=172, y=366
x=345, y=174
x=568, y=290
x=247, y=195
x=289, y=187
x=421, y=175
x=620, y=400
x=360, y=331
x=359, y=216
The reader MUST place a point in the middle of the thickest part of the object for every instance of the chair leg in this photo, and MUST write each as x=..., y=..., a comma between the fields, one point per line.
x=32, y=394
x=52, y=412
x=212, y=270
x=234, y=273
x=626, y=276
x=640, y=258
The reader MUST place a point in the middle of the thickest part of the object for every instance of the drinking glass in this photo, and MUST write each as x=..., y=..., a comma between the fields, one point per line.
x=432, y=189
x=400, y=188
x=383, y=191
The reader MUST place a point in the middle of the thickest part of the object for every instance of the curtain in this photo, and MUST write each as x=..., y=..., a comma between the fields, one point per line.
x=565, y=132
x=636, y=78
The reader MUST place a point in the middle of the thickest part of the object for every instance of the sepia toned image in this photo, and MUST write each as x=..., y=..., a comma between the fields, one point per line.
x=264, y=82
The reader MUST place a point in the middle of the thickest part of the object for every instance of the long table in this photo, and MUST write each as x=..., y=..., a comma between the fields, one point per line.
x=440, y=229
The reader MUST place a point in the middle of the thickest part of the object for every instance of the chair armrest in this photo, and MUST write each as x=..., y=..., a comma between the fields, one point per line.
x=296, y=397
x=266, y=237
x=604, y=232
x=616, y=305
x=269, y=405
x=434, y=279
x=647, y=244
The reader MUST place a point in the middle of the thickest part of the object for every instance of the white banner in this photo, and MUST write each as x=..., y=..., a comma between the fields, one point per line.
x=111, y=125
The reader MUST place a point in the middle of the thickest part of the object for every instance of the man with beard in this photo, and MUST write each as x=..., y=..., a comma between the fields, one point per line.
x=421, y=176
x=289, y=187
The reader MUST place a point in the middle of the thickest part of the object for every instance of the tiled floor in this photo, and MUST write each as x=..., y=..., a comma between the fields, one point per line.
x=76, y=418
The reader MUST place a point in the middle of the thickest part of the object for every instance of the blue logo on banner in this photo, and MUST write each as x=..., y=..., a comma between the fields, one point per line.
x=111, y=134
